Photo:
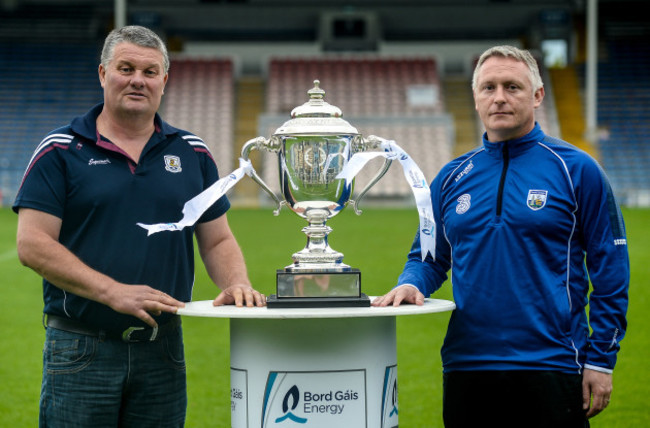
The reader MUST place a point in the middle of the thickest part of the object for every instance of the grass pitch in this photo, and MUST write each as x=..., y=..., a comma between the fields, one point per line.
x=376, y=242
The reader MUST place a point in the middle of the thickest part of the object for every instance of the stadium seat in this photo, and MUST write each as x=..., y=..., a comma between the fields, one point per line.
x=200, y=98
x=395, y=98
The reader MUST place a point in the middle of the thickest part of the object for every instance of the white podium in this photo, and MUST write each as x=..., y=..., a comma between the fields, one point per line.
x=313, y=367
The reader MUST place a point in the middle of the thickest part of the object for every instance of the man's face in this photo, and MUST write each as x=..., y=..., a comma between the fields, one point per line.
x=504, y=98
x=133, y=81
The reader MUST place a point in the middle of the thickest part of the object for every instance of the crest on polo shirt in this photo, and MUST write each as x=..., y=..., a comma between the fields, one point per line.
x=537, y=199
x=173, y=163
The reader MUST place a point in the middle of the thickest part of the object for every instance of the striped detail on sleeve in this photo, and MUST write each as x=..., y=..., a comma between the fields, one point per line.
x=48, y=144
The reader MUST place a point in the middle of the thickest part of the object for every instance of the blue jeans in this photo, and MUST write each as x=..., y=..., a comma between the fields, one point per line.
x=97, y=382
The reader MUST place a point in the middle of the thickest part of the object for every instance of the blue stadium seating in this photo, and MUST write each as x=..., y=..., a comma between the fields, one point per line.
x=42, y=87
x=624, y=111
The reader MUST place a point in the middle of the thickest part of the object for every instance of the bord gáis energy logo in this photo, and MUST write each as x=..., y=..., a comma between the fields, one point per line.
x=320, y=399
x=292, y=397
x=313, y=403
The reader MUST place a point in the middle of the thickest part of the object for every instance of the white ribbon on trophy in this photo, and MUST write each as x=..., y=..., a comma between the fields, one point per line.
x=195, y=207
x=414, y=177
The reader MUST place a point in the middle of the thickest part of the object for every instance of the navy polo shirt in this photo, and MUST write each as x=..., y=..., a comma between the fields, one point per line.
x=100, y=194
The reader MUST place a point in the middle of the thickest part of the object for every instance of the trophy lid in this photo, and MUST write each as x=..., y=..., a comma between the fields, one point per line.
x=316, y=117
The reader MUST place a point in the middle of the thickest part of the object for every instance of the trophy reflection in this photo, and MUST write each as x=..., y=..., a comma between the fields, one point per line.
x=312, y=148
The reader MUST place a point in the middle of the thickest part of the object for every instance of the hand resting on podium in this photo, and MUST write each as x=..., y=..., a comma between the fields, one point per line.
x=405, y=293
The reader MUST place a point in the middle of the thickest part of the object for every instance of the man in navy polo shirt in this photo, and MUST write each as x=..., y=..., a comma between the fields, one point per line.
x=114, y=351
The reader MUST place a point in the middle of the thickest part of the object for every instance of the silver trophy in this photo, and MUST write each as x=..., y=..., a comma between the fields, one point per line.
x=312, y=148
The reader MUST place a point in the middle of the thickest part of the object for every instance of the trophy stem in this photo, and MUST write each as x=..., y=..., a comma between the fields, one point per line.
x=317, y=253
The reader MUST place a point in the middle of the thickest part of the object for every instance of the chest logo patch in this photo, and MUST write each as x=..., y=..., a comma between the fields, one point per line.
x=98, y=161
x=463, y=203
x=537, y=199
x=173, y=163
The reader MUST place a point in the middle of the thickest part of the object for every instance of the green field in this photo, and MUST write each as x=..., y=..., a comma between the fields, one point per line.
x=376, y=242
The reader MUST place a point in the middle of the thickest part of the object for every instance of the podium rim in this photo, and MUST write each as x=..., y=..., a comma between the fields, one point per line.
x=204, y=308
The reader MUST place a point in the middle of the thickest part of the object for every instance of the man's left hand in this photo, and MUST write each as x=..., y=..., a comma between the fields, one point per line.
x=240, y=295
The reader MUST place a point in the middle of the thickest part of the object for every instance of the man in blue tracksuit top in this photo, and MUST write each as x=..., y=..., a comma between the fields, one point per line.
x=525, y=223
x=113, y=352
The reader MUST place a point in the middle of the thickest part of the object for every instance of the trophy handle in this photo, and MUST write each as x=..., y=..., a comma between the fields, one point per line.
x=261, y=143
x=371, y=142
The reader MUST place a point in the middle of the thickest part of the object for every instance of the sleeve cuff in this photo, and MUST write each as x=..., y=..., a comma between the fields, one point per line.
x=599, y=369
x=409, y=285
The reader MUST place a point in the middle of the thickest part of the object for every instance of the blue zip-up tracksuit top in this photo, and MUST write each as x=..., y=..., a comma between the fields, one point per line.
x=527, y=222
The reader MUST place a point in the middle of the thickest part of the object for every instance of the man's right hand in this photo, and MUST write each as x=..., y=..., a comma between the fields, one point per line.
x=37, y=241
x=405, y=293
x=141, y=301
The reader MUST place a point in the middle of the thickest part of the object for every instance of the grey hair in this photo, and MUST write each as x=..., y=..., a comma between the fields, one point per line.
x=506, y=51
x=136, y=35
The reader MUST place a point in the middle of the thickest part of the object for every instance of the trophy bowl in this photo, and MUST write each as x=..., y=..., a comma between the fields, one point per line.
x=312, y=148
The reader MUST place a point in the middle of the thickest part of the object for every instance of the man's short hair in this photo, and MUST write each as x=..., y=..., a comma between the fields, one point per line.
x=506, y=51
x=136, y=35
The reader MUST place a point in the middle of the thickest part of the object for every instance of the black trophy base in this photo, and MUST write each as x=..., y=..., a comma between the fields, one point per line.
x=318, y=289
x=273, y=301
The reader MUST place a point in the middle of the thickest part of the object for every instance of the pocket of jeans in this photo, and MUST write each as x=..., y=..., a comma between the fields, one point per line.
x=173, y=349
x=68, y=352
